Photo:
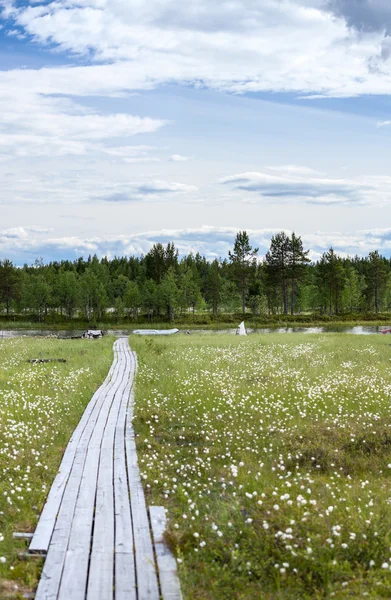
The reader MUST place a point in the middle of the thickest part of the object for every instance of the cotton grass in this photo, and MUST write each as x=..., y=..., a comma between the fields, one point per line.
x=275, y=453
x=40, y=405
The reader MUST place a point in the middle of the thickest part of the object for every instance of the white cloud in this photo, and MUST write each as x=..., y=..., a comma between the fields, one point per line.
x=129, y=154
x=293, y=170
x=35, y=125
x=147, y=189
x=178, y=158
x=213, y=242
x=239, y=46
x=87, y=186
x=22, y=232
x=298, y=186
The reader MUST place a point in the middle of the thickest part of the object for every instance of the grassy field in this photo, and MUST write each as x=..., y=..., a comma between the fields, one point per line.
x=273, y=457
x=40, y=405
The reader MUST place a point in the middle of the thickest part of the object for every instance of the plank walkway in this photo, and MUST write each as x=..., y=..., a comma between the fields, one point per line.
x=94, y=528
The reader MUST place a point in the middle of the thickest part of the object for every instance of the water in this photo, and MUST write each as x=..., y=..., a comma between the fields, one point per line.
x=357, y=330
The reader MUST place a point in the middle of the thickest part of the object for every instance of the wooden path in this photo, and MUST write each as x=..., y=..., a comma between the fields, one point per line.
x=99, y=541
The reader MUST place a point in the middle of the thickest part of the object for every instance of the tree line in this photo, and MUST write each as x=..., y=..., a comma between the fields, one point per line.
x=162, y=285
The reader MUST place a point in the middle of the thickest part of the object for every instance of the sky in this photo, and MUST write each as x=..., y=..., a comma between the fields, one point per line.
x=129, y=122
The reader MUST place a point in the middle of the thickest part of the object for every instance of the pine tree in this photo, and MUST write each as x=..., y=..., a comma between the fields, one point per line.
x=9, y=283
x=243, y=261
x=214, y=286
x=377, y=278
x=332, y=277
x=277, y=264
x=297, y=262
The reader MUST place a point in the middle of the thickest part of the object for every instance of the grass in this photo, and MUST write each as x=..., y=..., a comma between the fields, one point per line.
x=198, y=321
x=40, y=406
x=273, y=458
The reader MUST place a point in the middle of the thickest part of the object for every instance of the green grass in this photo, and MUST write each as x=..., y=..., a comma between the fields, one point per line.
x=198, y=321
x=40, y=406
x=273, y=458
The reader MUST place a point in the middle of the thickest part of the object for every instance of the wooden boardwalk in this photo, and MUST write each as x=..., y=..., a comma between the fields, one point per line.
x=95, y=529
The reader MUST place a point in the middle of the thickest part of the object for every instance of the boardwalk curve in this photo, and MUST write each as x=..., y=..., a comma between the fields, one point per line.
x=94, y=528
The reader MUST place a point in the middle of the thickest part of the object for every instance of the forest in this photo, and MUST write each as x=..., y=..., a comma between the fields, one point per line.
x=162, y=286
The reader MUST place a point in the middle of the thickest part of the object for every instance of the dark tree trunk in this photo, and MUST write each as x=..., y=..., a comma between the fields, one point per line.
x=284, y=297
x=243, y=295
x=331, y=296
x=293, y=298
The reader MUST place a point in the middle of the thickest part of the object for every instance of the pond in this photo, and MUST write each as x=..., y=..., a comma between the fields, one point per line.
x=67, y=334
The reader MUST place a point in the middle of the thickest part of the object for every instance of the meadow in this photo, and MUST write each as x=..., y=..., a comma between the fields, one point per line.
x=40, y=406
x=272, y=455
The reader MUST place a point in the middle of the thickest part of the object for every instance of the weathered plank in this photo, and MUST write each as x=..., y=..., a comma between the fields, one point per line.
x=22, y=536
x=125, y=574
x=76, y=564
x=125, y=577
x=45, y=526
x=72, y=522
x=166, y=563
x=52, y=571
x=100, y=539
x=147, y=582
x=100, y=581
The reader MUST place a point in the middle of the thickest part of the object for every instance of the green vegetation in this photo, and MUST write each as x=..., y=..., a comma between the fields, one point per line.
x=273, y=458
x=40, y=406
x=161, y=287
x=208, y=322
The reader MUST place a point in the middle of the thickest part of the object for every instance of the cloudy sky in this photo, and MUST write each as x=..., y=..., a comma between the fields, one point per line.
x=126, y=122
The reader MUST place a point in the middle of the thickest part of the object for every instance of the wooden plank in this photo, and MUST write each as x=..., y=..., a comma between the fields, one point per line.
x=166, y=563
x=76, y=563
x=101, y=573
x=100, y=581
x=103, y=473
x=125, y=577
x=45, y=526
x=66, y=526
x=125, y=573
x=22, y=536
x=147, y=583
x=123, y=520
x=52, y=571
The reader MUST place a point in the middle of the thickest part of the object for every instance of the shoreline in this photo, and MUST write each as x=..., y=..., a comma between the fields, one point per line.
x=213, y=325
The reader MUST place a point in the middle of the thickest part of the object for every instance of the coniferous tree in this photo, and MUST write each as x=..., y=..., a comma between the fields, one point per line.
x=277, y=264
x=9, y=283
x=297, y=262
x=331, y=276
x=214, y=286
x=155, y=263
x=377, y=278
x=354, y=290
x=243, y=261
x=284, y=281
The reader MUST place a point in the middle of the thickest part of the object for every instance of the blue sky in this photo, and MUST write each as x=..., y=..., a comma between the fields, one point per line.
x=127, y=123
